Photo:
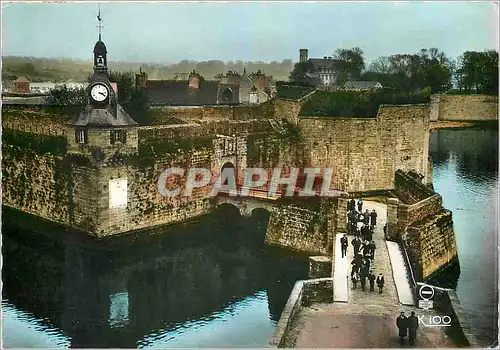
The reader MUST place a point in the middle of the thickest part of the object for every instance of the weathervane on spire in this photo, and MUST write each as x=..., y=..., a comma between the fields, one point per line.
x=99, y=19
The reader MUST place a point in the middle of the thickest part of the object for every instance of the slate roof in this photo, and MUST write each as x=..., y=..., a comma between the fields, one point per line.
x=178, y=93
x=102, y=117
x=322, y=62
x=361, y=84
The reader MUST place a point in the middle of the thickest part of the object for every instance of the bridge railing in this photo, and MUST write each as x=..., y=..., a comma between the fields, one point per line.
x=253, y=193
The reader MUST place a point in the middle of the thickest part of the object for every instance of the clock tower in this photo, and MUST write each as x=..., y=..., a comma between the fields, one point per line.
x=102, y=146
x=102, y=114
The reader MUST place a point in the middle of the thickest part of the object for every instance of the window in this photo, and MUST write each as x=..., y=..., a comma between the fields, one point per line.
x=81, y=136
x=118, y=136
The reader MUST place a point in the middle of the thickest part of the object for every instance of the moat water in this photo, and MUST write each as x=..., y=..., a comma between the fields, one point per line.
x=214, y=284
x=466, y=175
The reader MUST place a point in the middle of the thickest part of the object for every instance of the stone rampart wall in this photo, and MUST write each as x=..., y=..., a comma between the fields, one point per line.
x=366, y=152
x=287, y=109
x=165, y=115
x=467, y=107
x=34, y=121
x=308, y=229
x=409, y=214
x=409, y=189
x=35, y=183
x=431, y=244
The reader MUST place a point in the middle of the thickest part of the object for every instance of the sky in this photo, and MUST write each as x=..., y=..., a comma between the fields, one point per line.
x=162, y=32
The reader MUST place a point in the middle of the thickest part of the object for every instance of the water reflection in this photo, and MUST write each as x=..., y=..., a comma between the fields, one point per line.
x=475, y=151
x=466, y=175
x=183, y=289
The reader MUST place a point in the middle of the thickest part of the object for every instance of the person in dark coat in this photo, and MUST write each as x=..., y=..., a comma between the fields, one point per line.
x=343, y=245
x=372, y=250
x=402, y=324
x=371, y=278
x=412, y=328
x=355, y=267
x=366, y=217
x=352, y=205
x=360, y=205
x=362, y=277
x=380, y=282
x=356, y=243
x=373, y=217
x=366, y=265
x=385, y=230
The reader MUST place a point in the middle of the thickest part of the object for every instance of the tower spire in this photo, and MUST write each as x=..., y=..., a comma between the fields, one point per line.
x=99, y=19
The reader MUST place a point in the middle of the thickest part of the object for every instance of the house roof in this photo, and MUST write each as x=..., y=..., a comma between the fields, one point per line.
x=103, y=117
x=21, y=80
x=324, y=62
x=178, y=93
x=361, y=84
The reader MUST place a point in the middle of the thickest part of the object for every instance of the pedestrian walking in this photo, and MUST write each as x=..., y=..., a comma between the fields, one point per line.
x=371, y=279
x=380, y=282
x=366, y=217
x=373, y=217
x=402, y=324
x=412, y=328
x=360, y=205
x=355, y=267
x=385, y=230
x=372, y=250
x=343, y=245
x=362, y=277
x=354, y=280
x=356, y=243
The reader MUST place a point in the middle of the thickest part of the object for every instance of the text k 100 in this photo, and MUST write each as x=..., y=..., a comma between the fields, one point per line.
x=434, y=321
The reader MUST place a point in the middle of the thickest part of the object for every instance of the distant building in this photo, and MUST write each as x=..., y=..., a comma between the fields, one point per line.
x=254, y=88
x=231, y=88
x=21, y=86
x=326, y=69
x=362, y=85
x=42, y=88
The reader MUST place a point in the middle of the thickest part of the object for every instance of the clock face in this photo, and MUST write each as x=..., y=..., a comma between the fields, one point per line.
x=99, y=92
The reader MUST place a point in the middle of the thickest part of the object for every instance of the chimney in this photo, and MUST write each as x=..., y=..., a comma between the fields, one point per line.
x=303, y=55
x=194, y=80
x=141, y=79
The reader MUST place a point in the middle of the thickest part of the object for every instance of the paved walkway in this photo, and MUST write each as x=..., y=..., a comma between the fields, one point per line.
x=340, y=274
x=400, y=274
x=366, y=319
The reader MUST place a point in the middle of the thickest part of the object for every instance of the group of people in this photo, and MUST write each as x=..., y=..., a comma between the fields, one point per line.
x=360, y=223
x=363, y=245
x=407, y=326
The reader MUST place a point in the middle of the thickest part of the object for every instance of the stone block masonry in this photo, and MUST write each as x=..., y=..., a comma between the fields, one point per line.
x=305, y=229
x=424, y=226
x=465, y=107
x=366, y=152
x=431, y=244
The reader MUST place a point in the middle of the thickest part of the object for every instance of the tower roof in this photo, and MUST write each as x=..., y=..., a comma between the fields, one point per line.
x=100, y=48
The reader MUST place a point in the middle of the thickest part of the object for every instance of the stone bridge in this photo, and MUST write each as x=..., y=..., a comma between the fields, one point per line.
x=246, y=204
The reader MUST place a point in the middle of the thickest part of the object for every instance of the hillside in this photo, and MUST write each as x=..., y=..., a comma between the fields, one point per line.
x=43, y=69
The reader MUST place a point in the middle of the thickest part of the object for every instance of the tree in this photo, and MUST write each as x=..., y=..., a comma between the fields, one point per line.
x=304, y=73
x=479, y=71
x=411, y=72
x=63, y=96
x=132, y=98
x=351, y=63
